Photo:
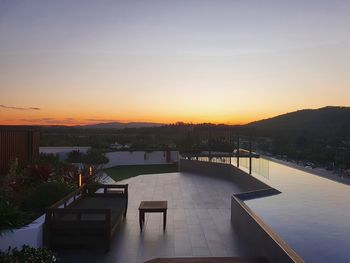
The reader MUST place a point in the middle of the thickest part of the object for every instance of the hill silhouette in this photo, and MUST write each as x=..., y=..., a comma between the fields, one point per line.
x=326, y=121
x=321, y=135
x=318, y=135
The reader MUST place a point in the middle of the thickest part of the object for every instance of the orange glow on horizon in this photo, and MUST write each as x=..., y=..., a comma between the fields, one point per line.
x=63, y=122
x=60, y=119
x=52, y=118
x=86, y=116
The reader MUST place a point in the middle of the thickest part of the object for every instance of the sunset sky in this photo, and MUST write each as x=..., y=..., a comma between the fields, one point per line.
x=76, y=62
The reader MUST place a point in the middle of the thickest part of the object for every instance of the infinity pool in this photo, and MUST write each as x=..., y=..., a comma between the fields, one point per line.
x=312, y=214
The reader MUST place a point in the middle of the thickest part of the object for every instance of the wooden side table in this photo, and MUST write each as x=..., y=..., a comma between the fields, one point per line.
x=152, y=207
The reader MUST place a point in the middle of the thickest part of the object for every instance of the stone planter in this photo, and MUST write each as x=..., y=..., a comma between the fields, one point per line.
x=31, y=235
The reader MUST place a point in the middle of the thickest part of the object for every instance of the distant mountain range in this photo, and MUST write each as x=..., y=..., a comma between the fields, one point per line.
x=321, y=136
x=330, y=118
x=318, y=135
x=316, y=120
x=121, y=125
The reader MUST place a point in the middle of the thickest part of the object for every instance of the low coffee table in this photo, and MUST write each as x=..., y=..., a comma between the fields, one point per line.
x=152, y=207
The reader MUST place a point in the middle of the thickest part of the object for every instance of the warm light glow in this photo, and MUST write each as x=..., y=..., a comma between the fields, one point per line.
x=84, y=62
x=80, y=180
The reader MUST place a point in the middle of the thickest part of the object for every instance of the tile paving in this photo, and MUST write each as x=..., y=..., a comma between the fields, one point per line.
x=198, y=222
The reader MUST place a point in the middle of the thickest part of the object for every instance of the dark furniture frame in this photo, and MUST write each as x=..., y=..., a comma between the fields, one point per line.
x=152, y=207
x=89, y=215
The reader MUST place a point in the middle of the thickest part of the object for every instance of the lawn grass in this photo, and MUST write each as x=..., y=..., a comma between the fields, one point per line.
x=126, y=171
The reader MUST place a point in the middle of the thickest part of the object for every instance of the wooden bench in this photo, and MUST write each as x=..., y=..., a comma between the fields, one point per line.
x=86, y=216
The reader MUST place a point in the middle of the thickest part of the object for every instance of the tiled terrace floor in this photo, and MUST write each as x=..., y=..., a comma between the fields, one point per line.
x=198, y=222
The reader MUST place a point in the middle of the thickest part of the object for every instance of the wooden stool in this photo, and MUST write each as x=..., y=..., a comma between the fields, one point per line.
x=152, y=207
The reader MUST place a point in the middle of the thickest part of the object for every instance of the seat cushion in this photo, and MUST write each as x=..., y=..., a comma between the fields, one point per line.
x=115, y=204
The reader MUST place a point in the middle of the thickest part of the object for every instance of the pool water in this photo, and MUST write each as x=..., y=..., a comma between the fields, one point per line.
x=312, y=214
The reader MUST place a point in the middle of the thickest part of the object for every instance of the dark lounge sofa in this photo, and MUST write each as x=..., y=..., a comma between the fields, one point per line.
x=86, y=216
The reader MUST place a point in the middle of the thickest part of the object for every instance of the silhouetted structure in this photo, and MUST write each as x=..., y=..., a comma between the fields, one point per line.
x=223, y=135
x=21, y=142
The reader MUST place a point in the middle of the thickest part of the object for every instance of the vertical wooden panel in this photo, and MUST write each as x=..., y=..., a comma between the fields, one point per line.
x=18, y=142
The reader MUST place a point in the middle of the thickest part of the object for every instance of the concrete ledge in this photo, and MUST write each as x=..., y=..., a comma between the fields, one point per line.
x=31, y=235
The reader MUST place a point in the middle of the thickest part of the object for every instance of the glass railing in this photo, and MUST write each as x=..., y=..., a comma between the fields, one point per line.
x=260, y=166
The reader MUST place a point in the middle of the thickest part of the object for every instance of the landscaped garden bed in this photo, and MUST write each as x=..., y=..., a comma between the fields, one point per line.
x=27, y=190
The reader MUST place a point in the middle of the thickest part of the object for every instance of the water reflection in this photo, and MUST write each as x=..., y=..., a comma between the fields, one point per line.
x=312, y=214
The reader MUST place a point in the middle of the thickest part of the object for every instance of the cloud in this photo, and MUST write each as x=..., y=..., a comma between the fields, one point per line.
x=50, y=121
x=18, y=108
x=99, y=120
x=63, y=121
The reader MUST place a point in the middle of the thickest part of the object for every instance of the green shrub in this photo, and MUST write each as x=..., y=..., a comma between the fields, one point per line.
x=95, y=157
x=8, y=186
x=28, y=255
x=92, y=186
x=45, y=195
x=51, y=158
x=10, y=217
x=75, y=156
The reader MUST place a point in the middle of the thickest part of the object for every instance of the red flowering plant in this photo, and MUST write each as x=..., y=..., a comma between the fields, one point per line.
x=22, y=182
x=34, y=187
x=38, y=173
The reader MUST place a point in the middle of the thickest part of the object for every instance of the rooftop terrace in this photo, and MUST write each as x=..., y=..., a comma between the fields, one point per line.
x=198, y=222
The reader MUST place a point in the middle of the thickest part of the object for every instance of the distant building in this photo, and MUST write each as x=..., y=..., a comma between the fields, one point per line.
x=21, y=142
x=119, y=146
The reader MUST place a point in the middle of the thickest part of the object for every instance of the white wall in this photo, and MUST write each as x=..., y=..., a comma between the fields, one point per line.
x=62, y=151
x=31, y=235
x=138, y=158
